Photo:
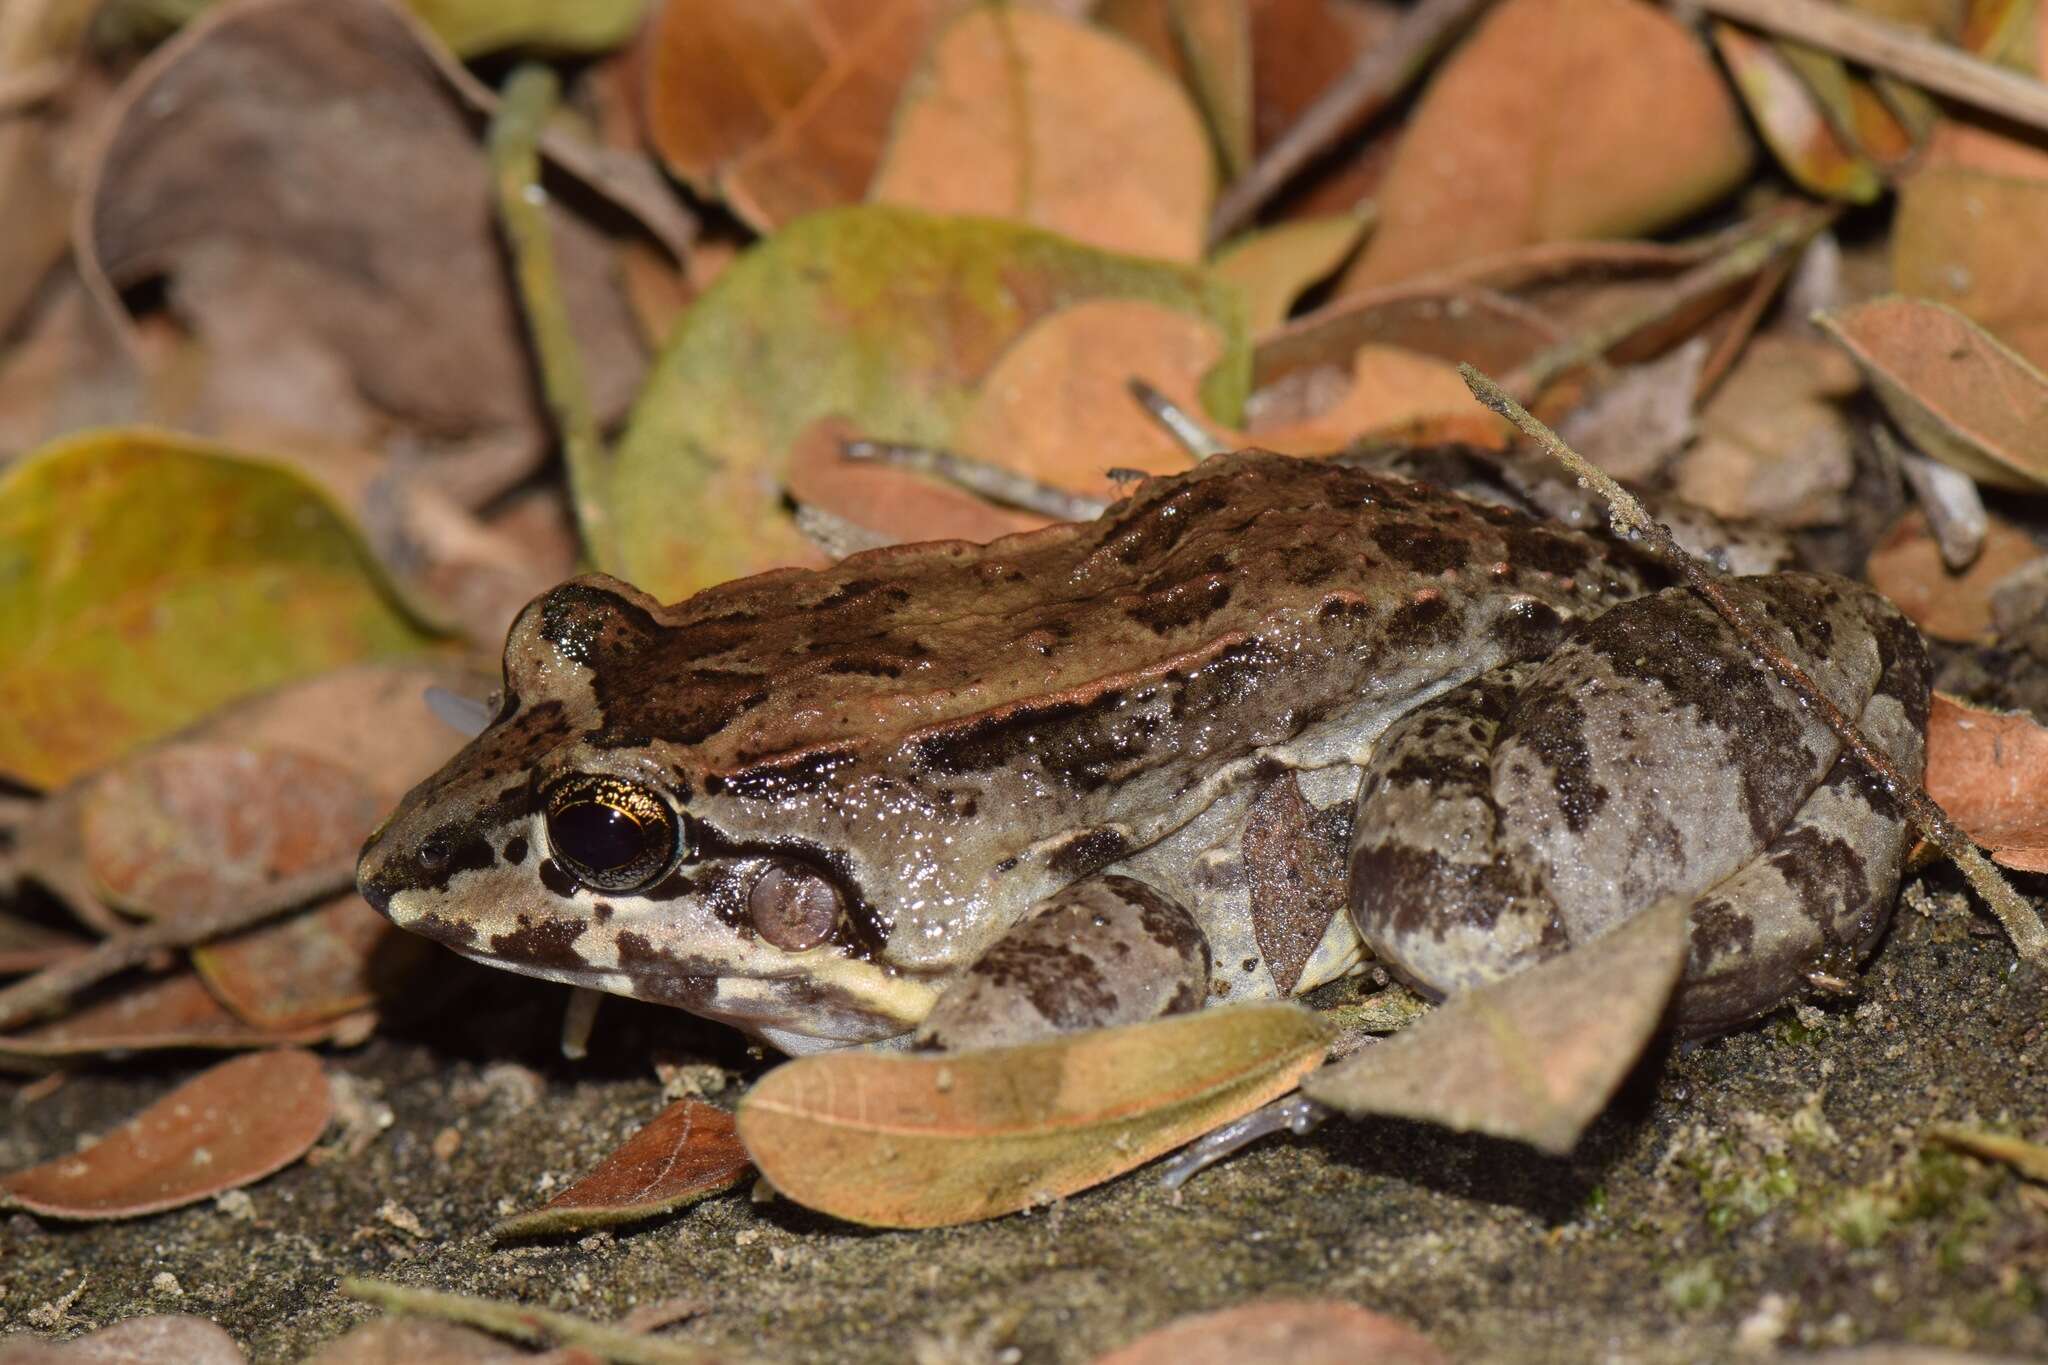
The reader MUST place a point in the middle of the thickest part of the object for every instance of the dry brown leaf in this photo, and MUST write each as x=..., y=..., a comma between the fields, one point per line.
x=1058, y=408
x=1807, y=145
x=1972, y=239
x=171, y=1012
x=314, y=967
x=1040, y=120
x=937, y=1139
x=1957, y=392
x=1533, y=1057
x=312, y=189
x=190, y=827
x=1299, y=47
x=1296, y=1331
x=1907, y=567
x=686, y=1152
x=1989, y=771
x=229, y=1126
x=784, y=105
x=147, y=1340
x=1775, y=444
x=1556, y=119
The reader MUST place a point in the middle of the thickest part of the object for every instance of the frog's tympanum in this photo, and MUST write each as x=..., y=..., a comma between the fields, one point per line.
x=1105, y=771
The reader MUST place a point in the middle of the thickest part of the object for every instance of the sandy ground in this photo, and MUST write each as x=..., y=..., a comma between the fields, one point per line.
x=1764, y=1189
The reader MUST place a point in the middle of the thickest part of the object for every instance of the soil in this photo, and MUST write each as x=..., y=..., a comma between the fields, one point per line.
x=1767, y=1190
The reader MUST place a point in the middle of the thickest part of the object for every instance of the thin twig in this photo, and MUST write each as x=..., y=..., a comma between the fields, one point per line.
x=535, y=1326
x=1894, y=48
x=990, y=481
x=523, y=111
x=1374, y=81
x=28, y=998
x=1788, y=233
x=2022, y=923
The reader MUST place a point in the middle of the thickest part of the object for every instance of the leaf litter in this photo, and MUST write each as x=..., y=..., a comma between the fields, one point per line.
x=1504, y=200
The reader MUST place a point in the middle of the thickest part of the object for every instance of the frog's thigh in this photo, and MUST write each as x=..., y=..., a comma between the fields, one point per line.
x=1106, y=950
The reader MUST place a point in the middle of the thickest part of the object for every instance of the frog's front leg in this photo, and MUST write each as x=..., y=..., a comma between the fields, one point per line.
x=1106, y=950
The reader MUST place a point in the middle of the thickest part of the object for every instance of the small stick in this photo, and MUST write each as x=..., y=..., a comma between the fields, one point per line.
x=2028, y=933
x=990, y=481
x=1374, y=81
x=1789, y=233
x=515, y=136
x=31, y=996
x=1894, y=48
x=535, y=1326
x=1180, y=424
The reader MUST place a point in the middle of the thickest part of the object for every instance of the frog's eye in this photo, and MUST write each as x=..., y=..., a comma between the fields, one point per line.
x=793, y=907
x=608, y=833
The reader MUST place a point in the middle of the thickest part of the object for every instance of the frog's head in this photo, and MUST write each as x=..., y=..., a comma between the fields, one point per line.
x=583, y=837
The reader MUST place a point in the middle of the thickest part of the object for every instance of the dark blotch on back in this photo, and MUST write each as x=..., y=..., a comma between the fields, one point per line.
x=1419, y=546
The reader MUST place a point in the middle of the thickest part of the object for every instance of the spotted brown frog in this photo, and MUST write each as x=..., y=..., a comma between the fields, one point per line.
x=1107, y=770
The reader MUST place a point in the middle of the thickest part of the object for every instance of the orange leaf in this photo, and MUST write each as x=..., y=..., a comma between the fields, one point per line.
x=226, y=1127
x=782, y=104
x=1557, y=119
x=1989, y=771
x=1907, y=567
x=1026, y=116
x=1793, y=122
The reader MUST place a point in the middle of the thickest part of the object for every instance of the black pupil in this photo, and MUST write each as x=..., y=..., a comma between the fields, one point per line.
x=598, y=836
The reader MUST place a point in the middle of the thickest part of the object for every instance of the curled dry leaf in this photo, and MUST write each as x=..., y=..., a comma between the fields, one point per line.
x=159, y=577
x=1957, y=392
x=686, y=1152
x=782, y=106
x=1297, y=1331
x=1391, y=393
x=1556, y=119
x=1989, y=771
x=1907, y=567
x=1806, y=143
x=886, y=317
x=1533, y=1057
x=1275, y=266
x=927, y=1141
x=302, y=972
x=1215, y=41
x=175, y=1011
x=311, y=187
x=227, y=1127
x=1041, y=120
x=134, y=1341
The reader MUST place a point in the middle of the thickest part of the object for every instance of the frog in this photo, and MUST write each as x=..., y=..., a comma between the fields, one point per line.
x=949, y=794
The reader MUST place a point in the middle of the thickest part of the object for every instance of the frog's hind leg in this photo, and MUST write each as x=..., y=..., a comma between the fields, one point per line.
x=1106, y=950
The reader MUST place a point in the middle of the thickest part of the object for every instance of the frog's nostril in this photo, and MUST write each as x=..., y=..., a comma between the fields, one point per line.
x=434, y=854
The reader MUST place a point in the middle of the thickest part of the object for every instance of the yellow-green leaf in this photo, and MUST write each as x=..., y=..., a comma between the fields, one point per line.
x=1793, y=120
x=1533, y=1057
x=147, y=578
x=926, y=1141
x=1960, y=394
x=473, y=26
x=1275, y=266
x=888, y=317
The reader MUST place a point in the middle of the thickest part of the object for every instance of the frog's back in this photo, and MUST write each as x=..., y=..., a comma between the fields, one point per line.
x=1253, y=580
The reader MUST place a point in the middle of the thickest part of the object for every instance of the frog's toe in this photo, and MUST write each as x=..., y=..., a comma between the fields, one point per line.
x=1102, y=952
